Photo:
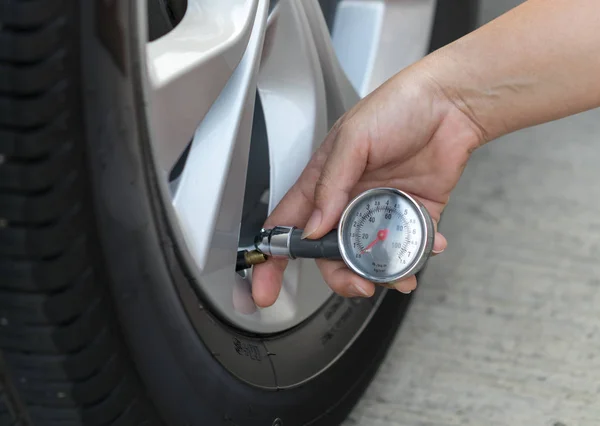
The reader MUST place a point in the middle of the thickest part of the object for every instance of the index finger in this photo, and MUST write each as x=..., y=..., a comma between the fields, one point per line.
x=294, y=209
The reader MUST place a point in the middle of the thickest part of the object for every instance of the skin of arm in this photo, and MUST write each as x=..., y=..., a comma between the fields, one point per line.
x=536, y=63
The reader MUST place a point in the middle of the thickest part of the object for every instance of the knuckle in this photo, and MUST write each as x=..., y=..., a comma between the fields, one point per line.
x=339, y=287
x=338, y=125
x=322, y=187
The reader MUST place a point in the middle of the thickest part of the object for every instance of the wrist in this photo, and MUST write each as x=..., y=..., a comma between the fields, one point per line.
x=450, y=86
x=448, y=105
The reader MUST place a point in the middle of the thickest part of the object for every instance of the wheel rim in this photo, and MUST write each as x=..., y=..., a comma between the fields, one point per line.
x=202, y=80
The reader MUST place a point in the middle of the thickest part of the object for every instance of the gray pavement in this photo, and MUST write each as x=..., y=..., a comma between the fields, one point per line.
x=505, y=327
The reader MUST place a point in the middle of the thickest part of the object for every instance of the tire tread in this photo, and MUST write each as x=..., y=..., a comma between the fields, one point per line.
x=62, y=355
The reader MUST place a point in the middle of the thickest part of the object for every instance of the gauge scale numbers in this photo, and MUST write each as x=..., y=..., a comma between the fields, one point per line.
x=385, y=236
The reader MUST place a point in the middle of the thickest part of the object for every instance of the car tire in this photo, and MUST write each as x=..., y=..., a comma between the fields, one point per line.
x=98, y=322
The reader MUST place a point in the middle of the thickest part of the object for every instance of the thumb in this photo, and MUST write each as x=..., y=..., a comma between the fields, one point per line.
x=343, y=168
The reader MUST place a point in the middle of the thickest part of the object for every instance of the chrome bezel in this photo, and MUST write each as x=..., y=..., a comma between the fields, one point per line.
x=425, y=247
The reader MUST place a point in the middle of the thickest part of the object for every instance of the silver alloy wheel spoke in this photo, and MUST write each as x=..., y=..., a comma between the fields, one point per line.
x=202, y=80
x=376, y=39
x=340, y=95
x=293, y=96
x=190, y=66
x=210, y=194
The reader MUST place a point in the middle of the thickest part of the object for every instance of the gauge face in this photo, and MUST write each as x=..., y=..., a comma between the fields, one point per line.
x=382, y=234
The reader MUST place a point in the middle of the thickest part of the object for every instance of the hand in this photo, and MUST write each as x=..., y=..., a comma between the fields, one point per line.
x=405, y=135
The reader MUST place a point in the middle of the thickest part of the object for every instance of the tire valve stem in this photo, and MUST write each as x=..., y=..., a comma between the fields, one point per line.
x=286, y=242
x=247, y=258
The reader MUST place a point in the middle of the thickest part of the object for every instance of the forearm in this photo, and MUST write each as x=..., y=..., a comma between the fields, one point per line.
x=538, y=62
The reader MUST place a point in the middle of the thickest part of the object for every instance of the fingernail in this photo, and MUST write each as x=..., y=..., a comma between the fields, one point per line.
x=394, y=284
x=361, y=290
x=312, y=224
x=437, y=252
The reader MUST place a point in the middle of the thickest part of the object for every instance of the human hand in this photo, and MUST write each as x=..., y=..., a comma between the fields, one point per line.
x=406, y=134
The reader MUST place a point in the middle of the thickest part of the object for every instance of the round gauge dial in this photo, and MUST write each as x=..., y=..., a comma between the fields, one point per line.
x=385, y=235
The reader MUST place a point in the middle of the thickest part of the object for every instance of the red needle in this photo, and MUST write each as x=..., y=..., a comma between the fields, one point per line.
x=381, y=236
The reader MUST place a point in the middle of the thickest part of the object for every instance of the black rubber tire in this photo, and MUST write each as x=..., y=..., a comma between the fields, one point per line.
x=85, y=340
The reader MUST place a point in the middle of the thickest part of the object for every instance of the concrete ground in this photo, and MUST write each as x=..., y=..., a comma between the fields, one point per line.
x=505, y=327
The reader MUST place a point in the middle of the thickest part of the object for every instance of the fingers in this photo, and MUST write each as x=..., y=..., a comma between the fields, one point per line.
x=266, y=281
x=343, y=281
x=439, y=244
x=293, y=210
x=342, y=170
x=267, y=277
x=347, y=284
x=439, y=241
x=406, y=285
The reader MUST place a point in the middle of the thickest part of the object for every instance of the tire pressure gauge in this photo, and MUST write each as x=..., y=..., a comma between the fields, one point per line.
x=384, y=235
